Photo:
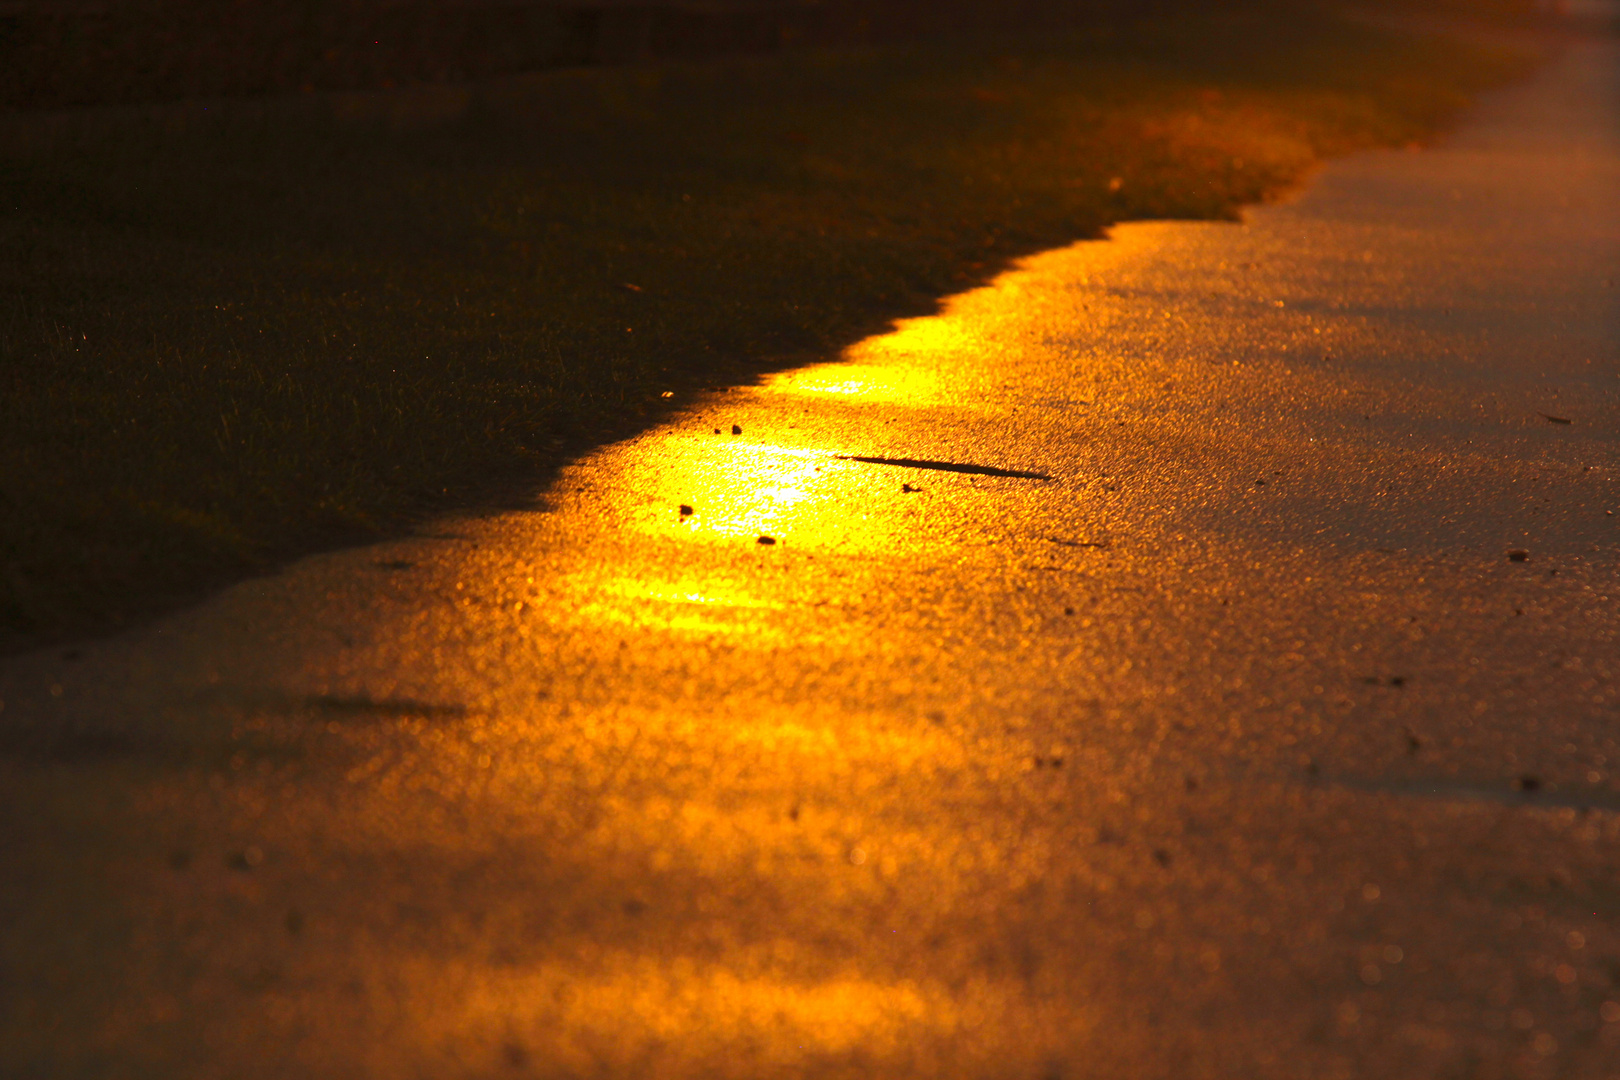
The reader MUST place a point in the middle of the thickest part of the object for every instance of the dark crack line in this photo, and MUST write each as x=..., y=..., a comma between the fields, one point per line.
x=944, y=466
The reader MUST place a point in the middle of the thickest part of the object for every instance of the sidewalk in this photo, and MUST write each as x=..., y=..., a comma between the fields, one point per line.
x=1240, y=701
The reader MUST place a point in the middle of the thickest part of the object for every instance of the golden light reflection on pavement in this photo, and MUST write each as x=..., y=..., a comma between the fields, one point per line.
x=1200, y=728
x=867, y=382
x=744, y=490
x=708, y=607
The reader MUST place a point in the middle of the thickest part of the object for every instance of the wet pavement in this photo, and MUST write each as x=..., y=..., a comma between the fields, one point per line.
x=1192, y=655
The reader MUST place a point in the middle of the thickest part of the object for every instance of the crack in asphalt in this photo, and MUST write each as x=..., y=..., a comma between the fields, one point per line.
x=945, y=466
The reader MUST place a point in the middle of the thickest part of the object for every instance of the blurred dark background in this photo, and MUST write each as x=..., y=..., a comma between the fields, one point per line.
x=56, y=53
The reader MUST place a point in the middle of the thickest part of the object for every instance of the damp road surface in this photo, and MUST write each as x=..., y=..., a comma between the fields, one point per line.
x=1191, y=655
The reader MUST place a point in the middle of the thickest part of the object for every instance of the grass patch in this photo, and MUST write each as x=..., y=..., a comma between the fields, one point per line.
x=228, y=336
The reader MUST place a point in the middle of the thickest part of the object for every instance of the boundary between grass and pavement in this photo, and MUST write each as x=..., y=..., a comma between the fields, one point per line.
x=234, y=332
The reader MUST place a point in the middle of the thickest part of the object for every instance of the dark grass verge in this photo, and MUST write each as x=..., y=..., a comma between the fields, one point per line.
x=231, y=334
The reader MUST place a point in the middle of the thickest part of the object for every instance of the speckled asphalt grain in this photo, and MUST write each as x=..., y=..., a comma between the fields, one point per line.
x=1237, y=746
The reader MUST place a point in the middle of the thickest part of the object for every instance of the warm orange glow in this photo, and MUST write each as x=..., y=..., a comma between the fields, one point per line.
x=708, y=607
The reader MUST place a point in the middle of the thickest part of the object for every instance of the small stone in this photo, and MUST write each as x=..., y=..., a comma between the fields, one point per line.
x=767, y=540
x=736, y=429
x=246, y=859
x=1518, y=555
x=687, y=511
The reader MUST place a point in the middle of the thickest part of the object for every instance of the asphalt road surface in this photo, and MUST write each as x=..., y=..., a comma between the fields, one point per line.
x=1142, y=683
